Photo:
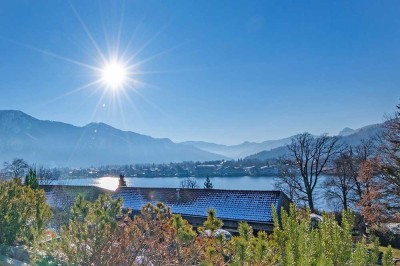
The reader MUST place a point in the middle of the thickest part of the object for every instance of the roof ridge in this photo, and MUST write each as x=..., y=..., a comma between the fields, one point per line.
x=167, y=188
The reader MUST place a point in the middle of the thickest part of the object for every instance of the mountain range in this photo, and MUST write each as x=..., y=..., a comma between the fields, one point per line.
x=60, y=144
x=347, y=136
x=240, y=150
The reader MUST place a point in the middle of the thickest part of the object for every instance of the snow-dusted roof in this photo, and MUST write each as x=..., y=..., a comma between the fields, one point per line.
x=60, y=196
x=236, y=205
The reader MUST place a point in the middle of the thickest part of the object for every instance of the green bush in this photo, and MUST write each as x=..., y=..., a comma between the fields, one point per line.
x=24, y=213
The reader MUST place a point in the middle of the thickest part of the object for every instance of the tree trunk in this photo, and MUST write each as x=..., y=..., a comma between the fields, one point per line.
x=310, y=202
x=344, y=201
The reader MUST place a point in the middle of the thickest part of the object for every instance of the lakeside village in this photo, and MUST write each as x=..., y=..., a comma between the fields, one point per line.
x=218, y=168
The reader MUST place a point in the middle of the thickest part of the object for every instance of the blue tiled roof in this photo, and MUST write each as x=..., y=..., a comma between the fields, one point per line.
x=236, y=205
x=59, y=196
x=239, y=205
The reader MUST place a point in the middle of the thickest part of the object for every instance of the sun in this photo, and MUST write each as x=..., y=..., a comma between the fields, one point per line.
x=114, y=71
x=114, y=75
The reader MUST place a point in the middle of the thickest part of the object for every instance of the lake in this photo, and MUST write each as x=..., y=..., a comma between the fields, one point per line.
x=239, y=183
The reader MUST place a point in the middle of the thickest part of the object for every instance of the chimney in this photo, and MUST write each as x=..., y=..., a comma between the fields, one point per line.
x=122, y=182
x=178, y=196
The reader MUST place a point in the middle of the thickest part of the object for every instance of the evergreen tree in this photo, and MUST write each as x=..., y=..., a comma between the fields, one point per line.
x=31, y=179
x=387, y=259
x=86, y=239
x=208, y=184
x=212, y=223
x=298, y=243
x=24, y=213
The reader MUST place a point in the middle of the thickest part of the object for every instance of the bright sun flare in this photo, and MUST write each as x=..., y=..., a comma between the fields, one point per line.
x=114, y=75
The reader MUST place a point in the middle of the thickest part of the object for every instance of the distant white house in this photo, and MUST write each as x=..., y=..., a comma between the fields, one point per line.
x=205, y=169
x=269, y=170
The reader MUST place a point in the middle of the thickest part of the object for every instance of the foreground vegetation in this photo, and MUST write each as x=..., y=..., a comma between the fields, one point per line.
x=100, y=233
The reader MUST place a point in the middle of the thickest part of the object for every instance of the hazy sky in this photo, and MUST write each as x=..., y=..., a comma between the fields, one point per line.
x=221, y=71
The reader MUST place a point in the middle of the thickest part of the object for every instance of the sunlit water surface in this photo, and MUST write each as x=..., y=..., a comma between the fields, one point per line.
x=111, y=183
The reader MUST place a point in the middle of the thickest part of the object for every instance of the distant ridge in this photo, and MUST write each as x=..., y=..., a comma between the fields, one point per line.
x=349, y=137
x=272, y=149
x=346, y=131
x=240, y=150
x=61, y=144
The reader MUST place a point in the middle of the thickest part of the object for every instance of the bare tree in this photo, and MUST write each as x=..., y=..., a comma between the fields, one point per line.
x=189, y=182
x=17, y=167
x=45, y=175
x=340, y=185
x=345, y=184
x=389, y=152
x=356, y=178
x=310, y=156
x=364, y=151
x=373, y=208
x=290, y=182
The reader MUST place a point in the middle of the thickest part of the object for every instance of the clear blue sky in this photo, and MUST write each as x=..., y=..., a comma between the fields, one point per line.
x=221, y=71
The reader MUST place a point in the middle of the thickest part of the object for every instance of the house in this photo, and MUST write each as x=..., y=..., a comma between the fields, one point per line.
x=251, y=170
x=232, y=206
x=232, y=171
x=205, y=170
x=269, y=171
